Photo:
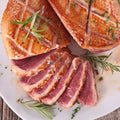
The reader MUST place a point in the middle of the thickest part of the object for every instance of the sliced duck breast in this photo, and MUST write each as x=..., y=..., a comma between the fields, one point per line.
x=31, y=65
x=88, y=94
x=70, y=96
x=62, y=84
x=38, y=80
x=39, y=93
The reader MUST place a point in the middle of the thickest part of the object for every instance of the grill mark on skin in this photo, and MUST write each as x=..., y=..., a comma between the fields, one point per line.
x=20, y=2
x=102, y=17
x=25, y=6
x=19, y=47
x=56, y=37
x=80, y=3
x=30, y=45
x=89, y=11
x=68, y=7
x=105, y=38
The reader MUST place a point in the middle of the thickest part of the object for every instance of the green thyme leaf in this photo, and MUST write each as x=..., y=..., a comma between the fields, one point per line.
x=110, y=29
x=77, y=102
x=119, y=1
x=104, y=13
x=100, y=79
x=73, y=5
x=74, y=112
x=1, y=74
x=94, y=21
x=114, y=35
x=108, y=18
x=25, y=37
x=44, y=24
x=117, y=24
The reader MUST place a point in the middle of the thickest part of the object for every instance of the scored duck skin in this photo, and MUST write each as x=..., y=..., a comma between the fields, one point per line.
x=87, y=25
x=55, y=35
x=104, y=33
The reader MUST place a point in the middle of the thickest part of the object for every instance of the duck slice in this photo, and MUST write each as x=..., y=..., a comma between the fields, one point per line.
x=71, y=94
x=62, y=84
x=88, y=94
x=38, y=80
x=31, y=65
x=41, y=92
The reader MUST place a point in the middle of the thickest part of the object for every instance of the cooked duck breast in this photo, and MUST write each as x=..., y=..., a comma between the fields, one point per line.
x=41, y=92
x=70, y=96
x=54, y=34
x=88, y=94
x=63, y=83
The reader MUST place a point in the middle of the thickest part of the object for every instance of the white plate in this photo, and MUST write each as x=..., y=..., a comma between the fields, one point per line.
x=108, y=89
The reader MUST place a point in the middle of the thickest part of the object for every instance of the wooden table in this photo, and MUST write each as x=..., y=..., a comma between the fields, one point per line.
x=7, y=114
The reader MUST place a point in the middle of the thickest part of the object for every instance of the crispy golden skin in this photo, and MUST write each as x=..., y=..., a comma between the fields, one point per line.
x=21, y=10
x=100, y=37
x=73, y=17
x=87, y=24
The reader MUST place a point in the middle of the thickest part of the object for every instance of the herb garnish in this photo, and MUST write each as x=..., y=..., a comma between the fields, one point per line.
x=117, y=24
x=6, y=67
x=59, y=110
x=101, y=61
x=87, y=0
x=94, y=21
x=114, y=35
x=1, y=74
x=104, y=13
x=77, y=102
x=73, y=4
x=119, y=1
x=42, y=109
x=74, y=112
x=108, y=18
x=100, y=79
x=32, y=19
x=110, y=29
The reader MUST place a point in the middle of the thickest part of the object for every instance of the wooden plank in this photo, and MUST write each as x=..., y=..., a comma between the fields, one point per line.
x=7, y=113
x=1, y=108
x=112, y=116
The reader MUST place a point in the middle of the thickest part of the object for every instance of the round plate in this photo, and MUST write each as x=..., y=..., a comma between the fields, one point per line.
x=108, y=89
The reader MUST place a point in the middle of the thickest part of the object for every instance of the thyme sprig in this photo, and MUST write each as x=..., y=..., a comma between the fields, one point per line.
x=33, y=20
x=42, y=109
x=101, y=61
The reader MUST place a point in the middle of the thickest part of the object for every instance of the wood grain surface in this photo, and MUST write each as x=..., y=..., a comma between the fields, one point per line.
x=7, y=114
